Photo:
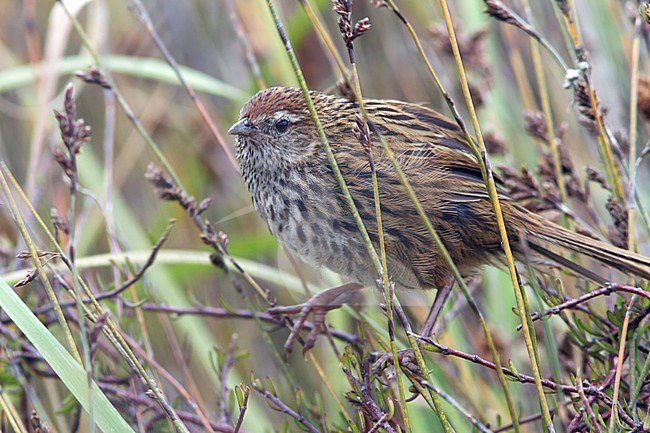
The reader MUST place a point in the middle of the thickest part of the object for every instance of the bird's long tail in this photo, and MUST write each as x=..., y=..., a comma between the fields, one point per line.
x=541, y=237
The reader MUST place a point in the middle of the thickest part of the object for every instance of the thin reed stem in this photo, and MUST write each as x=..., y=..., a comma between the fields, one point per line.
x=482, y=158
x=69, y=340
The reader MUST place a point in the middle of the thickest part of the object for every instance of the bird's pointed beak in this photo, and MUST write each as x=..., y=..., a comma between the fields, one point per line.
x=242, y=127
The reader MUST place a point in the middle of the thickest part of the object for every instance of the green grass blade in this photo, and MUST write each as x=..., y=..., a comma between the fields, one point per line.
x=105, y=416
x=154, y=69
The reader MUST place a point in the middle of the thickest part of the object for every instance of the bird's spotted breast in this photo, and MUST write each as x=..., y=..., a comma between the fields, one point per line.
x=296, y=218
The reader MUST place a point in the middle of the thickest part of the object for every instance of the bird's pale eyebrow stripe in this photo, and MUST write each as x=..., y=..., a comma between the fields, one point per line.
x=283, y=114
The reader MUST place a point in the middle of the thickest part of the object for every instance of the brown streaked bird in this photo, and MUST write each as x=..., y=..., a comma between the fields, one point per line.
x=292, y=186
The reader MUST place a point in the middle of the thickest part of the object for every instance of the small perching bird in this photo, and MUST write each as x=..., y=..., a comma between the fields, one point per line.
x=293, y=188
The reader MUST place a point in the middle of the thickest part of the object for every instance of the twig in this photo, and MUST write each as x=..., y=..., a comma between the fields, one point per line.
x=365, y=400
x=361, y=130
x=586, y=406
x=280, y=406
x=619, y=365
x=530, y=418
x=380, y=423
x=245, y=44
x=151, y=405
x=242, y=410
x=501, y=12
x=240, y=314
x=113, y=293
x=143, y=17
x=520, y=377
x=605, y=291
x=456, y=405
x=150, y=261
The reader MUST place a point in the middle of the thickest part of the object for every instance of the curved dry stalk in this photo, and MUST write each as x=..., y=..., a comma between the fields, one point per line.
x=619, y=365
x=424, y=218
x=520, y=294
x=72, y=347
x=362, y=131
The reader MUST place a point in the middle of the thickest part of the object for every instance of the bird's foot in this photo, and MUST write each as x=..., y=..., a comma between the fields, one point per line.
x=318, y=305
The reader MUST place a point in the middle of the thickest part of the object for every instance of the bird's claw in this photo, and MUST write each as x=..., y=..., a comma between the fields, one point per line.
x=318, y=305
x=303, y=311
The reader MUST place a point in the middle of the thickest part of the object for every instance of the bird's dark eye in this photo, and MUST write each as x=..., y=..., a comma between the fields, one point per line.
x=282, y=125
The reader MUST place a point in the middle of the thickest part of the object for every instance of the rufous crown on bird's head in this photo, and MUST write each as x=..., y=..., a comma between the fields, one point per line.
x=270, y=111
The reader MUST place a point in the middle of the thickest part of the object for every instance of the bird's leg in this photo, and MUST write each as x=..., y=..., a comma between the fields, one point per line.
x=405, y=356
x=318, y=305
x=436, y=308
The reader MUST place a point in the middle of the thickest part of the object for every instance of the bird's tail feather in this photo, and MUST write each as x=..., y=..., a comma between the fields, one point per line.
x=547, y=235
